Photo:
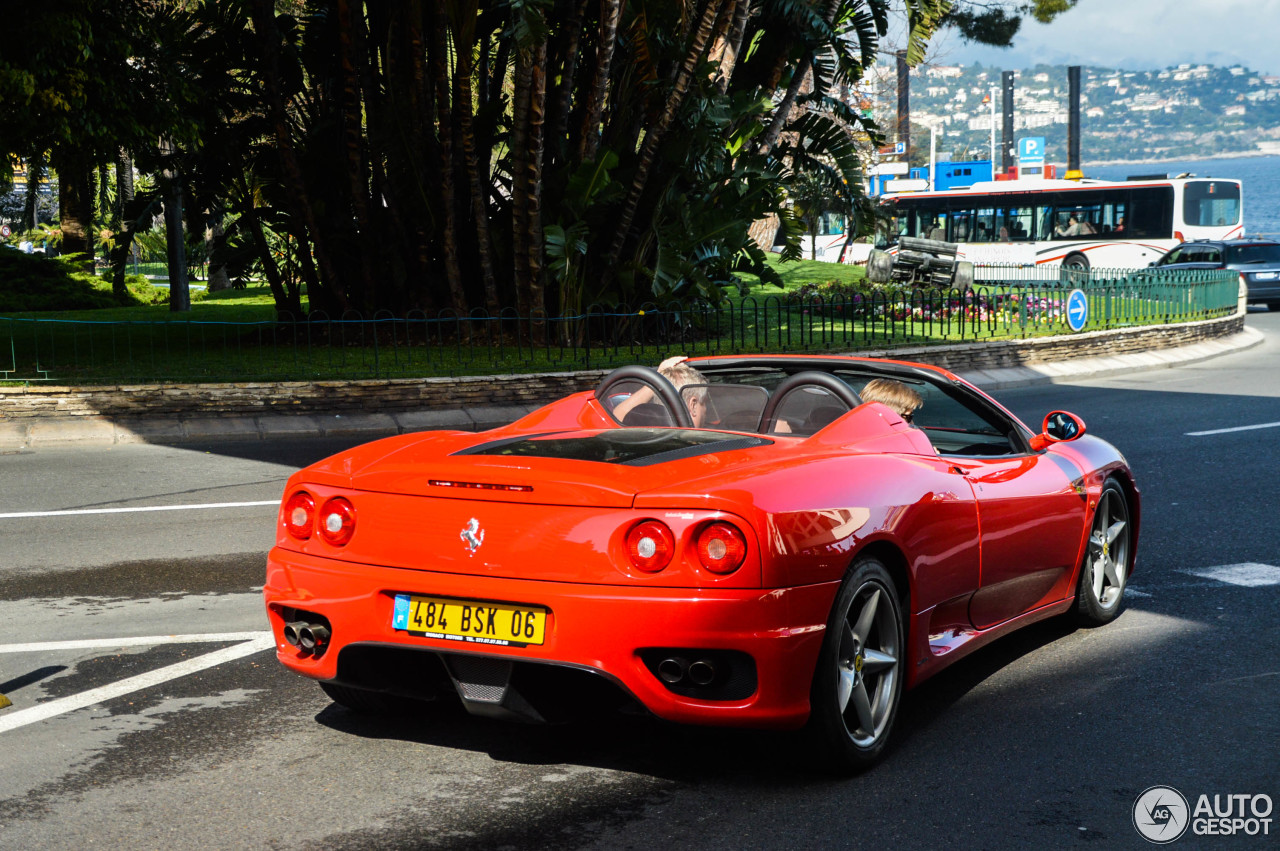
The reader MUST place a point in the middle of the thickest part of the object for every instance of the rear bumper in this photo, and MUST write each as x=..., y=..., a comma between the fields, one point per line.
x=1263, y=290
x=598, y=628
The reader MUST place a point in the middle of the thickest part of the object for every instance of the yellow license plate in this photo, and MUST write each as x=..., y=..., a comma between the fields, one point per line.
x=472, y=621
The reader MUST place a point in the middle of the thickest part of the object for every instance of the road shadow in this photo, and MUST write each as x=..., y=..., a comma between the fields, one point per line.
x=31, y=678
x=643, y=744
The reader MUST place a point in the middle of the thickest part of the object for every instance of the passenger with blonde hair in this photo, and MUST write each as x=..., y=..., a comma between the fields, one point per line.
x=894, y=394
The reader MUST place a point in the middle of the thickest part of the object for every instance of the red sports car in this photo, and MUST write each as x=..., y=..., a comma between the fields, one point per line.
x=797, y=560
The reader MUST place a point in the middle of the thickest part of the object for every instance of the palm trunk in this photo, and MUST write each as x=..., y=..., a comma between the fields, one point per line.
x=352, y=113
x=75, y=208
x=537, y=119
x=519, y=184
x=782, y=112
x=464, y=37
x=297, y=198
x=414, y=155
x=125, y=232
x=732, y=45
x=215, y=240
x=564, y=58
x=437, y=56
x=288, y=299
x=649, y=148
x=175, y=243
x=589, y=134
x=384, y=211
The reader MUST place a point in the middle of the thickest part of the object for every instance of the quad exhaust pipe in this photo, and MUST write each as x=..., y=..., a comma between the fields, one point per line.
x=312, y=637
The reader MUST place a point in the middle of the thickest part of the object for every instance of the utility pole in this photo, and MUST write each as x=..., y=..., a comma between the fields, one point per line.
x=992, y=100
x=904, y=104
x=1007, y=141
x=1073, y=121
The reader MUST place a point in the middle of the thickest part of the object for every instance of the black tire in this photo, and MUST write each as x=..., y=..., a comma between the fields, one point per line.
x=361, y=700
x=1273, y=305
x=859, y=677
x=1077, y=262
x=1108, y=557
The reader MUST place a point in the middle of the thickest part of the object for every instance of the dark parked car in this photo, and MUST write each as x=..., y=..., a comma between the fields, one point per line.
x=1257, y=261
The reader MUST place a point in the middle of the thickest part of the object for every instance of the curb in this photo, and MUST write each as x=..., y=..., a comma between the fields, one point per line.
x=1086, y=368
x=97, y=431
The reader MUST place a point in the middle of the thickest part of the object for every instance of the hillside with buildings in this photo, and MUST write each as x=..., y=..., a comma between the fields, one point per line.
x=1184, y=112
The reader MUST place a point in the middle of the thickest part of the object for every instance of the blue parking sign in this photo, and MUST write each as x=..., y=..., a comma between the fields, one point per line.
x=1077, y=310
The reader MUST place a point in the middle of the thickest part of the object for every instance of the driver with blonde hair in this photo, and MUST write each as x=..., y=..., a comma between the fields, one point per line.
x=680, y=374
x=896, y=395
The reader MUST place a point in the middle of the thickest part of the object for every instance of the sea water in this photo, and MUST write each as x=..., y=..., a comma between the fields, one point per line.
x=1260, y=177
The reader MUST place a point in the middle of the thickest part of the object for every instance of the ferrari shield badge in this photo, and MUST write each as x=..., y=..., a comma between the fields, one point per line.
x=472, y=535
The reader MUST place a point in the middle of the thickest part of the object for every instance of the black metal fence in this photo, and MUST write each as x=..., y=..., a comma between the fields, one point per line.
x=384, y=345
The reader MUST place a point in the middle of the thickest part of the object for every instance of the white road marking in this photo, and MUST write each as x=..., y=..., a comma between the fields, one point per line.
x=1133, y=592
x=133, y=508
x=73, y=702
x=138, y=508
x=1249, y=574
x=1237, y=428
x=131, y=641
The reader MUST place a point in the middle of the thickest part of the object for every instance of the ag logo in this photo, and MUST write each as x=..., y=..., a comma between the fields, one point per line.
x=1161, y=814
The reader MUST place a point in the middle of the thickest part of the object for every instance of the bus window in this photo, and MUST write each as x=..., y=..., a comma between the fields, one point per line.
x=1150, y=213
x=1211, y=202
x=921, y=222
x=1113, y=224
x=961, y=226
x=1016, y=221
x=831, y=224
x=1074, y=221
x=984, y=225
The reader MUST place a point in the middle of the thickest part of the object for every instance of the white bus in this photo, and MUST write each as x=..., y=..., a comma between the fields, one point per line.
x=1073, y=223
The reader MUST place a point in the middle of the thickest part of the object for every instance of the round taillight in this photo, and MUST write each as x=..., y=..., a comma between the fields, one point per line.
x=298, y=514
x=721, y=548
x=650, y=545
x=337, y=521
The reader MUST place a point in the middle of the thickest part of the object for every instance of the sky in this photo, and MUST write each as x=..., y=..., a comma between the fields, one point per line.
x=1136, y=35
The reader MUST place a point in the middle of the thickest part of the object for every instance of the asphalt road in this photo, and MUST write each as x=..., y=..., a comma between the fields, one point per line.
x=1041, y=740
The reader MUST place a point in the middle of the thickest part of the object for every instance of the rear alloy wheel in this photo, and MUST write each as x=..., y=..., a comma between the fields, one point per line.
x=858, y=683
x=1104, y=574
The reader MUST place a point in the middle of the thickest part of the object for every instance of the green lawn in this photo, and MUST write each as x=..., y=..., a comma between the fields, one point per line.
x=234, y=335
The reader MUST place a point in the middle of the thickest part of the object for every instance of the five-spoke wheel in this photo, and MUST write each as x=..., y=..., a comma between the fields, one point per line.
x=858, y=682
x=1106, y=558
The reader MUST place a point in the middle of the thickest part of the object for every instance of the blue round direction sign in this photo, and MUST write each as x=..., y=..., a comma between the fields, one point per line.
x=1077, y=310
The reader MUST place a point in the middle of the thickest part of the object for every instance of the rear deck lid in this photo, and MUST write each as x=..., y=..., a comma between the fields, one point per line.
x=605, y=468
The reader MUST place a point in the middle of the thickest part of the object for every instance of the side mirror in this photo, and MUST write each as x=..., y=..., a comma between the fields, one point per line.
x=1059, y=426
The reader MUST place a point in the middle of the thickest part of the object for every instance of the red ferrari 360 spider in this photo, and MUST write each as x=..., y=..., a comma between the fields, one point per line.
x=798, y=559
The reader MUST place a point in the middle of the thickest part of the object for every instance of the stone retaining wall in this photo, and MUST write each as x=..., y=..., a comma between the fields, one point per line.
x=439, y=401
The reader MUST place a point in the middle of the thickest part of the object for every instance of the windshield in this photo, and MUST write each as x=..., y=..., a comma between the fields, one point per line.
x=1267, y=252
x=1207, y=203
